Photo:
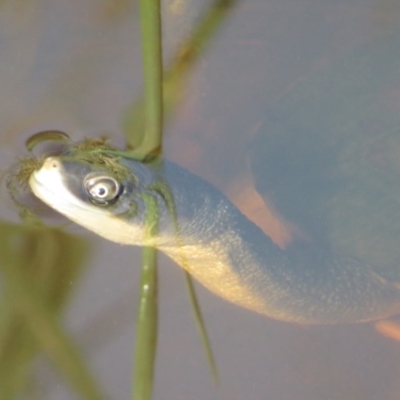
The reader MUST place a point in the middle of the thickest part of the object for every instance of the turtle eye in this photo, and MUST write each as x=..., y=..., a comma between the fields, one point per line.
x=102, y=189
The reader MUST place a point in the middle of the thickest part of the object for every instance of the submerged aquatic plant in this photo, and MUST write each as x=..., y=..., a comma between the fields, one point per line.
x=94, y=151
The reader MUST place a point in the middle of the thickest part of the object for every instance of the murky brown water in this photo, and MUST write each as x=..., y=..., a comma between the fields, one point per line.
x=76, y=66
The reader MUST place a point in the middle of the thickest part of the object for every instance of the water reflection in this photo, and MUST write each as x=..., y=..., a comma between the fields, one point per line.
x=39, y=268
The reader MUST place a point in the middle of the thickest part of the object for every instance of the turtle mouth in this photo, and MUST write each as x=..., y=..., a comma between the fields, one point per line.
x=47, y=183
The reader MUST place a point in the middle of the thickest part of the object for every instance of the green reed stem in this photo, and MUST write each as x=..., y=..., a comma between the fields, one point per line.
x=146, y=339
x=201, y=327
x=150, y=17
x=176, y=73
x=146, y=331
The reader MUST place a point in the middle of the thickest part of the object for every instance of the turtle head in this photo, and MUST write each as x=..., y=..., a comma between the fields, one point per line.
x=104, y=199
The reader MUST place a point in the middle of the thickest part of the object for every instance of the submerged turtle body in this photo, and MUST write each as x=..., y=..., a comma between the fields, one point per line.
x=328, y=162
x=328, y=156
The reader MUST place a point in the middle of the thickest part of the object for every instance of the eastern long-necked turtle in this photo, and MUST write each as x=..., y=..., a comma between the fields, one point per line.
x=328, y=159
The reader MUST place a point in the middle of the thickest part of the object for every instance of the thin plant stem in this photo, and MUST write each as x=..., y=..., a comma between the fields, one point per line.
x=176, y=73
x=146, y=332
x=201, y=327
x=146, y=339
x=150, y=17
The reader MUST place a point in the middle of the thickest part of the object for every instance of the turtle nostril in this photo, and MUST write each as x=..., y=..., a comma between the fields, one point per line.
x=51, y=163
